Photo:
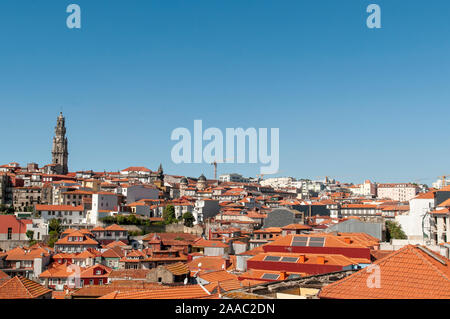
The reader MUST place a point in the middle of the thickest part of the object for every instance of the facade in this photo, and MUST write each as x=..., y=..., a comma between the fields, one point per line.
x=66, y=214
x=233, y=177
x=204, y=209
x=75, y=242
x=398, y=192
x=281, y=217
x=25, y=197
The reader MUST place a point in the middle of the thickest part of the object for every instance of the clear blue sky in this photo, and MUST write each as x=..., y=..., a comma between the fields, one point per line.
x=350, y=102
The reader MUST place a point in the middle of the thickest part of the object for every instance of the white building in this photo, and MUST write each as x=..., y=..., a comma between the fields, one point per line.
x=103, y=204
x=365, y=189
x=277, y=182
x=416, y=223
x=205, y=208
x=66, y=214
x=402, y=192
x=233, y=177
x=134, y=193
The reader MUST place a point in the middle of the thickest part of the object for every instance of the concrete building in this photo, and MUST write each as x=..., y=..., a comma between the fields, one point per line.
x=133, y=193
x=233, y=177
x=281, y=217
x=66, y=214
x=204, y=209
x=402, y=192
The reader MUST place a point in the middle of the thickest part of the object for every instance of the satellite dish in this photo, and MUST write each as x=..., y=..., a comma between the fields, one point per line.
x=185, y=281
x=199, y=265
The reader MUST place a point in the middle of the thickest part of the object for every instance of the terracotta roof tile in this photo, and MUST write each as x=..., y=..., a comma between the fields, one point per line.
x=22, y=288
x=412, y=272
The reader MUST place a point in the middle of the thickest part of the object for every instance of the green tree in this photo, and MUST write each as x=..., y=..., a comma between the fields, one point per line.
x=30, y=235
x=188, y=219
x=55, y=225
x=169, y=214
x=54, y=231
x=394, y=231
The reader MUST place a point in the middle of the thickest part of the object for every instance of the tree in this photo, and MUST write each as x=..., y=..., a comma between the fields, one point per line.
x=54, y=225
x=54, y=230
x=188, y=219
x=169, y=214
x=394, y=231
x=30, y=235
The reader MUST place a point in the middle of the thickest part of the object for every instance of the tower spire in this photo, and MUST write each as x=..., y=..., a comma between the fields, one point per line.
x=59, y=150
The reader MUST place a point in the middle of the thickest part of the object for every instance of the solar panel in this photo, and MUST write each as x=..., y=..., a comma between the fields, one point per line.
x=270, y=276
x=298, y=238
x=293, y=276
x=316, y=242
x=272, y=258
x=299, y=243
x=289, y=259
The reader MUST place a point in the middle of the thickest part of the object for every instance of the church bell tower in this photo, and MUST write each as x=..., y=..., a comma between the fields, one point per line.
x=59, y=150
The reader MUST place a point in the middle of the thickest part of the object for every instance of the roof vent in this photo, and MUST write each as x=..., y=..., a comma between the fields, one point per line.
x=432, y=255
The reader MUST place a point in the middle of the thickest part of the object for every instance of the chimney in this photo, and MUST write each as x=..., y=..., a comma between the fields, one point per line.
x=283, y=275
x=302, y=259
x=347, y=240
x=321, y=260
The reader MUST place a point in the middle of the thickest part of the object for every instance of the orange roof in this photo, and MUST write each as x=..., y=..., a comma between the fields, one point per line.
x=86, y=240
x=427, y=195
x=444, y=211
x=59, y=208
x=178, y=268
x=412, y=272
x=209, y=243
x=210, y=263
x=224, y=285
x=296, y=226
x=445, y=203
x=182, y=292
x=22, y=288
x=311, y=259
x=214, y=276
x=56, y=270
x=115, y=227
x=354, y=240
x=91, y=271
x=20, y=253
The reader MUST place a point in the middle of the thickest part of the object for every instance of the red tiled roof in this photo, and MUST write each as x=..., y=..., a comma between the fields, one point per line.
x=408, y=273
x=59, y=208
x=184, y=292
x=22, y=288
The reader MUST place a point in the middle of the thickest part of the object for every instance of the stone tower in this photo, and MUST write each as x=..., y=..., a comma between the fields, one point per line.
x=59, y=149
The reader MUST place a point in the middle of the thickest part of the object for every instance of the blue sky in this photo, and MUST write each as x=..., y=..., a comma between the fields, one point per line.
x=350, y=102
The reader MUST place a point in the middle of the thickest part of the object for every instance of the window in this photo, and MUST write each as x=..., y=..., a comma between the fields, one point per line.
x=9, y=233
x=91, y=282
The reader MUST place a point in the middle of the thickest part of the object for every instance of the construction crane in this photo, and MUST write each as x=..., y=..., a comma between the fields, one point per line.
x=443, y=177
x=215, y=165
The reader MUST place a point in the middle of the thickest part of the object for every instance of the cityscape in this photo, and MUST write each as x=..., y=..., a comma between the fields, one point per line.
x=224, y=157
x=146, y=234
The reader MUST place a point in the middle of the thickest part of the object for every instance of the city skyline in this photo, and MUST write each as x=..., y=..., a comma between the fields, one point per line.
x=351, y=103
